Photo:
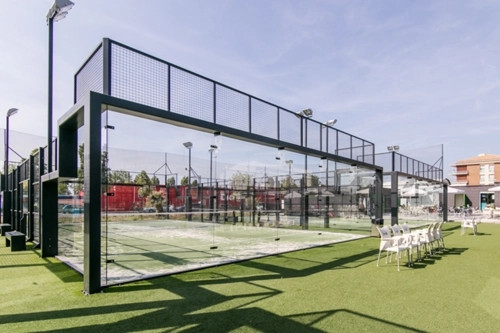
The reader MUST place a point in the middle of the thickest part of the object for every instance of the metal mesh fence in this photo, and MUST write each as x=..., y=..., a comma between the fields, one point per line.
x=264, y=118
x=290, y=127
x=90, y=77
x=344, y=145
x=139, y=78
x=21, y=145
x=313, y=135
x=231, y=105
x=409, y=166
x=192, y=95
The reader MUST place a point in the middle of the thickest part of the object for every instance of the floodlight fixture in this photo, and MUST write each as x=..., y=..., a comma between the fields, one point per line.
x=392, y=148
x=188, y=144
x=323, y=161
x=59, y=10
x=306, y=113
x=330, y=122
x=218, y=140
x=11, y=112
x=280, y=153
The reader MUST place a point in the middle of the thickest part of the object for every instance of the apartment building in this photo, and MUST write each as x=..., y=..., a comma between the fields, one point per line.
x=475, y=176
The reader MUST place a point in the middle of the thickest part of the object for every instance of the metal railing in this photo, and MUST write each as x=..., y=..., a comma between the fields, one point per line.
x=393, y=161
x=120, y=71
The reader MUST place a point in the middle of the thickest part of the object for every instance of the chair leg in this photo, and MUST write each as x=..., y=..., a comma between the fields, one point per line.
x=397, y=255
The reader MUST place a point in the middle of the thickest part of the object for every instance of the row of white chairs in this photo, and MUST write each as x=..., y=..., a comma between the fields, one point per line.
x=403, y=240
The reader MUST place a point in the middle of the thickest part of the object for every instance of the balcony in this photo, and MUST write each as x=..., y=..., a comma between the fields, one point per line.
x=460, y=183
x=460, y=173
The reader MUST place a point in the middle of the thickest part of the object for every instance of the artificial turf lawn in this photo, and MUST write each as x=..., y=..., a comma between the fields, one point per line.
x=327, y=289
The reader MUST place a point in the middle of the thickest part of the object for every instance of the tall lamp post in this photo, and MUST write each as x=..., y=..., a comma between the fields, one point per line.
x=189, y=146
x=7, y=197
x=304, y=115
x=328, y=123
x=289, y=162
x=394, y=185
x=57, y=12
x=212, y=149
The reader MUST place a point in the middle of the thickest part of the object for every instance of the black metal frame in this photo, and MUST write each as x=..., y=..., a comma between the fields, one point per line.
x=89, y=113
x=401, y=165
x=86, y=113
x=21, y=219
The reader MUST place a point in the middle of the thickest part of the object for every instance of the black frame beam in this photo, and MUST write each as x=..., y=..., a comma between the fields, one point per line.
x=88, y=113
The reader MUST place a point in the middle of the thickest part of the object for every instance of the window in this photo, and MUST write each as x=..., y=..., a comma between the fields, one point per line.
x=486, y=174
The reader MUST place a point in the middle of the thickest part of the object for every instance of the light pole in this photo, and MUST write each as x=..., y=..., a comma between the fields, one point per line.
x=7, y=196
x=289, y=163
x=212, y=149
x=57, y=12
x=326, y=124
x=394, y=185
x=304, y=115
x=189, y=146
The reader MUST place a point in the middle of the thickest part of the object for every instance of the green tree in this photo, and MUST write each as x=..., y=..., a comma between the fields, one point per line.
x=104, y=168
x=63, y=189
x=143, y=179
x=171, y=181
x=289, y=182
x=120, y=177
x=155, y=180
x=314, y=181
x=157, y=199
x=241, y=183
x=184, y=180
x=78, y=186
x=270, y=182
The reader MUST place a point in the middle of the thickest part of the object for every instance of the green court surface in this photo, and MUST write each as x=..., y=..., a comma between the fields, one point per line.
x=332, y=288
x=135, y=250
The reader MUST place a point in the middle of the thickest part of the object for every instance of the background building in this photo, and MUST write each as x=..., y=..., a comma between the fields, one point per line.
x=475, y=176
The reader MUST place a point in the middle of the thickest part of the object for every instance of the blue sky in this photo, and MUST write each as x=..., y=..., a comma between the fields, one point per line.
x=413, y=73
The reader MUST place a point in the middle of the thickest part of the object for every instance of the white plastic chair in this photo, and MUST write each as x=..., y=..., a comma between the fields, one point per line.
x=391, y=245
x=415, y=239
x=469, y=223
x=426, y=238
x=438, y=235
x=397, y=230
